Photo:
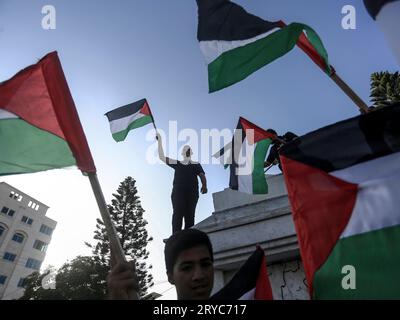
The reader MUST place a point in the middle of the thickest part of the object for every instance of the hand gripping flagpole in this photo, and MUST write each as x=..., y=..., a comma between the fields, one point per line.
x=115, y=244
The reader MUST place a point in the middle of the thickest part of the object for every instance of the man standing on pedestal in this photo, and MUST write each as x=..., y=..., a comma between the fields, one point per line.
x=185, y=191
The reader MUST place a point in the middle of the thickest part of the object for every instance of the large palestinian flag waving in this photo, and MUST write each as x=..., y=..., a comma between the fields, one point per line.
x=39, y=125
x=344, y=188
x=235, y=43
x=245, y=156
x=251, y=282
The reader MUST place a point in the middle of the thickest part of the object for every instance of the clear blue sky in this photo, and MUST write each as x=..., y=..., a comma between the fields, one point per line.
x=116, y=52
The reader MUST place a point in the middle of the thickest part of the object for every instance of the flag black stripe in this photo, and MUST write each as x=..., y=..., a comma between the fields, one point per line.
x=225, y=20
x=125, y=111
x=236, y=148
x=375, y=6
x=349, y=142
x=244, y=280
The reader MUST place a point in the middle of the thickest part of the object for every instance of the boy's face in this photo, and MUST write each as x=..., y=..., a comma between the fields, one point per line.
x=193, y=274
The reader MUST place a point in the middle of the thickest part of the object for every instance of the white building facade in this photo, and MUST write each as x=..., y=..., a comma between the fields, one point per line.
x=25, y=233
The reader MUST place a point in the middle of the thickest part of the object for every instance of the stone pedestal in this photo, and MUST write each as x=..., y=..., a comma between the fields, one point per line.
x=241, y=221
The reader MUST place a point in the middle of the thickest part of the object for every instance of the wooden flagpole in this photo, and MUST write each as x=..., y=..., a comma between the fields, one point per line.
x=115, y=244
x=304, y=44
x=350, y=93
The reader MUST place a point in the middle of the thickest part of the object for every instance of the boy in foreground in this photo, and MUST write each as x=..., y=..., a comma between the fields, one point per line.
x=189, y=262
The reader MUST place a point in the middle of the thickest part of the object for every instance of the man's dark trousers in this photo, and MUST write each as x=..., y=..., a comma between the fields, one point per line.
x=184, y=205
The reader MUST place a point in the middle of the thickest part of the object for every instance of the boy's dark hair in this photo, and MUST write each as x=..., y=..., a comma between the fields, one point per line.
x=183, y=240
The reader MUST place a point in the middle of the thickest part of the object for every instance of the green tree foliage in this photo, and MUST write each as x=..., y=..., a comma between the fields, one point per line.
x=81, y=279
x=385, y=88
x=84, y=278
x=127, y=214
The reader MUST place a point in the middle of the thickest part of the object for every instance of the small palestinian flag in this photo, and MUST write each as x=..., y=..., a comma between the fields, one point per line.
x=129, y=117
x=246, y=155
x=251, y=282
x=343, y=183
x=39, y=126
x=235, y=43
x=386, y=13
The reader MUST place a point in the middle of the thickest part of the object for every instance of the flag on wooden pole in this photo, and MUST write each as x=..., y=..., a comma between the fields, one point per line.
x=246, y=155
x=39, y=126
x=40, y=130
x=343, y=184
x=129, y=117
x=235, y=43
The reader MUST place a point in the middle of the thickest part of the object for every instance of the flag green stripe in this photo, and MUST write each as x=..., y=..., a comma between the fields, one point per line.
x=25, y=149
x=316, y=42
x=260, y=185
x=120, y=136
x=376, y=258
x=237, y=64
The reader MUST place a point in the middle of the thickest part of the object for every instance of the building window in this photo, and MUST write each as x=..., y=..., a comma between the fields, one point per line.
x=1, y=230
x=27, y=220
x=3, y=279
x=46, y=230
x=33, y=264
x=7, y=211
x=15, y=196
x=33, y=205
x=18, y=237
x=9, y=256
x=22, y=283
x=40, y=245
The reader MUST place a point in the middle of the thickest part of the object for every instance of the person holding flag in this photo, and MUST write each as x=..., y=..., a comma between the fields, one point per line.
x=189, y=261
x=185, y=191
x=273, y=155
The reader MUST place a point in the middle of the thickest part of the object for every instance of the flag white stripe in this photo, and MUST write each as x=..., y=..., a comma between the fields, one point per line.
x=371, y=170
x=388, y=21
x=248, y=295
x=378, y=198
x=4, y=114
x=121, y=124
x=212, y=49
x=246, y=165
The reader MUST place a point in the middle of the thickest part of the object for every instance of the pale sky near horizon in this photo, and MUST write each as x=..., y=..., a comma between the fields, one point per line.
x=117, y=52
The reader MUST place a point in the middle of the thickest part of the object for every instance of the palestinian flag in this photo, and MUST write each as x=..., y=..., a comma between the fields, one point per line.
x=386, y=13
x=39, y=125
x=250, y=282
x=246, y=155
x=235, y=43
x=343, y=183
x=126, y=118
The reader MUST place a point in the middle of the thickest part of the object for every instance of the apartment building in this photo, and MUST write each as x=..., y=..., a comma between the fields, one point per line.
x=25, y=233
